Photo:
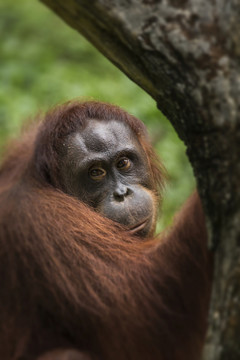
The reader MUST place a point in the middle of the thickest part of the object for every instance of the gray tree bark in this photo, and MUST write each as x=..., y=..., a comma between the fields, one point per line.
x=186, y=55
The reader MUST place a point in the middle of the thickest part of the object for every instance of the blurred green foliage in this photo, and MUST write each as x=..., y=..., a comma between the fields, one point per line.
x=44, y=62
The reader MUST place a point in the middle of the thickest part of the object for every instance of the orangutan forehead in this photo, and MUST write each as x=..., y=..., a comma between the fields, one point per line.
x=103, y=136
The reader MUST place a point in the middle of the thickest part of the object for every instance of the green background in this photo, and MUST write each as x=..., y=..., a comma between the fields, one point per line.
x=43, y=62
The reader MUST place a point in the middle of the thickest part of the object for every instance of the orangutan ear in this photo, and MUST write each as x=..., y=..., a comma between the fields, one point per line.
x=66, y=354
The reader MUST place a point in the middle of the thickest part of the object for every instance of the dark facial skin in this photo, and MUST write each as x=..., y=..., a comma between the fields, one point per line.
x=105, y=167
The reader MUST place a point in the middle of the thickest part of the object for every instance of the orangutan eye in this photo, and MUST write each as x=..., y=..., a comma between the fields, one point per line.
x=124, y=164
x=97, y=173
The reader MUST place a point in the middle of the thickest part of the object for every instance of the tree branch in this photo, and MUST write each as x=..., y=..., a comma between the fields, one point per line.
x=186, y=55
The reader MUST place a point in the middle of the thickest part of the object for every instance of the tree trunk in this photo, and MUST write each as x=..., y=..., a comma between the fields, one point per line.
x=186, y=55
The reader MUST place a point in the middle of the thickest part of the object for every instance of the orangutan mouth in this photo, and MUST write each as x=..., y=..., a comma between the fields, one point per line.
x=136, y=228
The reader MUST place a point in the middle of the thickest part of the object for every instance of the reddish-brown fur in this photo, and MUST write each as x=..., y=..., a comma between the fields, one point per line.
x=73, y=279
